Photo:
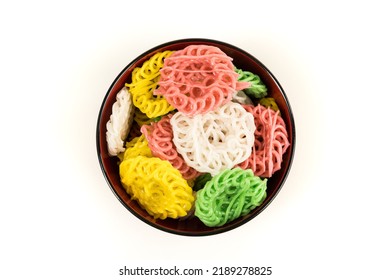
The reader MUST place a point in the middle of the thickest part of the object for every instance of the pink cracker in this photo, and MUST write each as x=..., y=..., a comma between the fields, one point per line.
x=198, y=79
x=159, y=136
x=271, y=141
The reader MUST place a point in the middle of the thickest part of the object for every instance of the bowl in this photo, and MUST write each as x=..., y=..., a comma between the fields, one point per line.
x=193, y=226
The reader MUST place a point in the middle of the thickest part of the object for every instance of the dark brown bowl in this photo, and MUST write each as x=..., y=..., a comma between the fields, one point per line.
x=193, y=226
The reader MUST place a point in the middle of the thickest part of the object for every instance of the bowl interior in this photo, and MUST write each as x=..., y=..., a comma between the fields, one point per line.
x=193, y=226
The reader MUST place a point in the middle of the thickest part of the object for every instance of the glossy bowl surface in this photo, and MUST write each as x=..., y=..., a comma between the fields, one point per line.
x=193, y=226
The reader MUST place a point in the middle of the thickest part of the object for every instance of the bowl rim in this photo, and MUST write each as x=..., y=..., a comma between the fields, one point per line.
x=214, y=231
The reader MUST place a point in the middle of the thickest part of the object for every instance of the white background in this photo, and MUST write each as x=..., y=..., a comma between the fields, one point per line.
x=60, y=220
